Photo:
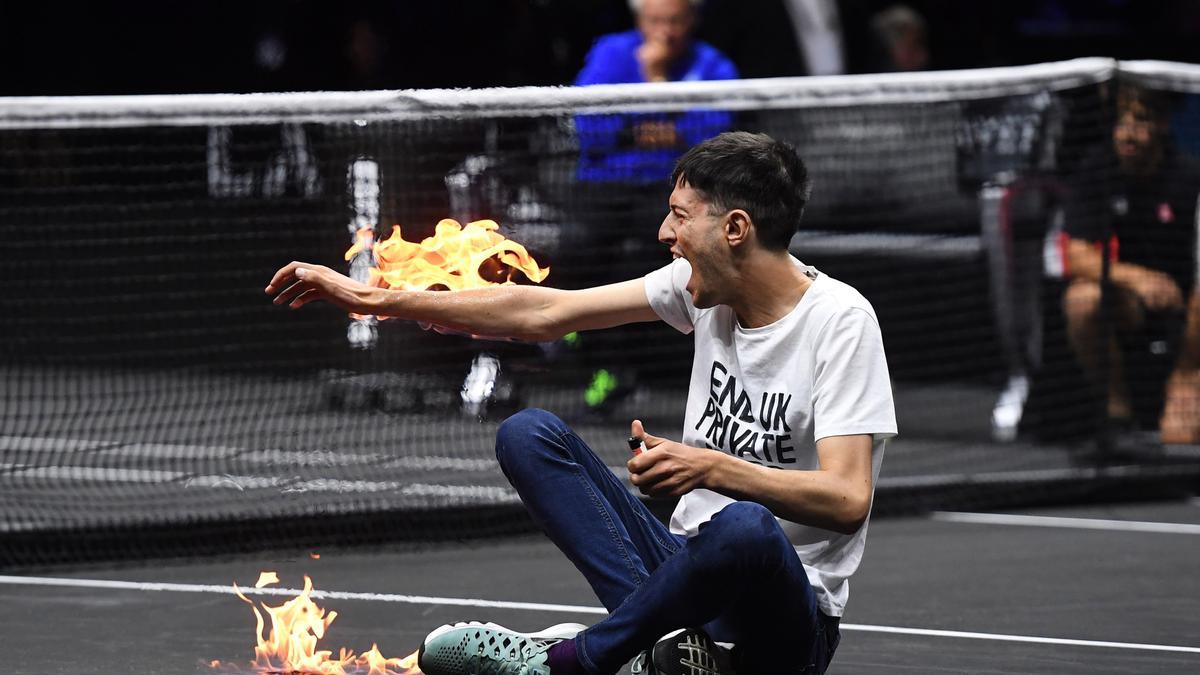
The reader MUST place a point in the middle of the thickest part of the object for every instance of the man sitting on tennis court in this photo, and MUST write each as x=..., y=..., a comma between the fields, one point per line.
x=788, y=412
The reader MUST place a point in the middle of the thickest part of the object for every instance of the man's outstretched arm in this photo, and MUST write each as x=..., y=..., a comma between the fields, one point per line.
x=532, y=313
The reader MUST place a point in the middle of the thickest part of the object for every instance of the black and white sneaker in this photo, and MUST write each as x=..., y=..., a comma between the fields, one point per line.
x=687, y=651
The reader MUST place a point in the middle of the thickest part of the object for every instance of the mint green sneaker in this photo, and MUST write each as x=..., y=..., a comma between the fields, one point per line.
x=487, y=649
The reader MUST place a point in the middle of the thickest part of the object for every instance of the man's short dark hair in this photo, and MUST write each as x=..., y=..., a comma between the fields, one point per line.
x=753, y=172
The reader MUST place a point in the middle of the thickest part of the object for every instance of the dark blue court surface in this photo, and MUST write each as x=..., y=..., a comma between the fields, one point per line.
x=1101, y=589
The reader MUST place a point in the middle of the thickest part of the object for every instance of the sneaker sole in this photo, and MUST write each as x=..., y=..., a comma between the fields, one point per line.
x=561, y=631
x=697, y=656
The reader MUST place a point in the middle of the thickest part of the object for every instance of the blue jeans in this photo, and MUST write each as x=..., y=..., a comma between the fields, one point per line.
x=739, y=578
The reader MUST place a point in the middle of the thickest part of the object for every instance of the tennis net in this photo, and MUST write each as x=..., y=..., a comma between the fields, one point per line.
x=154, y=402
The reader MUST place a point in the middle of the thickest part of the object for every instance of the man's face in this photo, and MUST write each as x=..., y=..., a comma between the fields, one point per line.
x=1137, y=136
x=693, y=233
x=668, y=22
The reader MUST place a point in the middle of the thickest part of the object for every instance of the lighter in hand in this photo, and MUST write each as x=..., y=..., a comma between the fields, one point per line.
x=636, y=445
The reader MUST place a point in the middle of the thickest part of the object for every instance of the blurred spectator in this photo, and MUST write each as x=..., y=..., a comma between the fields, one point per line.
x=781, y=38
x=1145, y=219
x=643, y=147
x=366, y=52
x=624, y=161
x=901, y=35
x=817, y=25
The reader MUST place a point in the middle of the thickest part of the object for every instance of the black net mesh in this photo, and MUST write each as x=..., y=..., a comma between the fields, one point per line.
x=153, y=401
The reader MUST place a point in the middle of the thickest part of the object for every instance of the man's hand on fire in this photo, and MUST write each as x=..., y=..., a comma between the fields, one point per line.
x=297, y=284
x=667, y=468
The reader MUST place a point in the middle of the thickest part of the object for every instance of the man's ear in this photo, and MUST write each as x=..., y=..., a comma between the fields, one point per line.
x=738, y=227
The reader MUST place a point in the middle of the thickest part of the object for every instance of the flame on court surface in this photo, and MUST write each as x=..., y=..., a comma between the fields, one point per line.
x=455, y=258
x=291, y=644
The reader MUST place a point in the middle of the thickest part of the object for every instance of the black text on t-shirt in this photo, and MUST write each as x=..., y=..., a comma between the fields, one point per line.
x=734, y=427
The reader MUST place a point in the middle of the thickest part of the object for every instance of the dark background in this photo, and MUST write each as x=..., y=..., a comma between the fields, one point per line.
x=143, y=47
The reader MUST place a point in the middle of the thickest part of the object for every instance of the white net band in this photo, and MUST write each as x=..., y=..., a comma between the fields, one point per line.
x=367, y=106
x=1183, y=78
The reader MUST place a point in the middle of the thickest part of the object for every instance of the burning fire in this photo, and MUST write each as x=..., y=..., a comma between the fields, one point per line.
x=291, y=644
x=455, y=257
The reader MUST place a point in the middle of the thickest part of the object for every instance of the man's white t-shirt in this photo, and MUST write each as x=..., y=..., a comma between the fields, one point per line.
x=768, y=394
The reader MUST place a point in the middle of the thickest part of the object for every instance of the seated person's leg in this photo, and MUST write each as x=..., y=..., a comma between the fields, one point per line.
x=1180, y=421
x=1086, y=333
x=740, y=578
x=610, y=536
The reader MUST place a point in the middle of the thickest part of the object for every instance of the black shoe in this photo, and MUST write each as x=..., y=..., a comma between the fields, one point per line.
x=688, y=651
x=1123, y=441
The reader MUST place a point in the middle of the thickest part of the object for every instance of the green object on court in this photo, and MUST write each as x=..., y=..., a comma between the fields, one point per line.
x=473, y=647
x=603, y=383
x=572, y=339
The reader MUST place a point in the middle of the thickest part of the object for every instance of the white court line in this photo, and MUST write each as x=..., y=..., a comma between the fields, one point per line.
x=292, y=592
x=1075, y=523
x=545, y=607
x=1020, y=638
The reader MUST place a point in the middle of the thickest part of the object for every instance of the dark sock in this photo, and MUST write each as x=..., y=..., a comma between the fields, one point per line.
x=563, y=660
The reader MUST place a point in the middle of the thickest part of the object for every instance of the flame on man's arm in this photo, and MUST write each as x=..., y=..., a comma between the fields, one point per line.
x=454, y=258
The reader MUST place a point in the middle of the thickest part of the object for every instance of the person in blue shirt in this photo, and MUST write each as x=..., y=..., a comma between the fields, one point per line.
x=643, y=147
x=624, y=159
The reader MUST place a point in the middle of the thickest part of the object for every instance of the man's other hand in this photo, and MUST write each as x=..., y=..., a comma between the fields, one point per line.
x=667, y=468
